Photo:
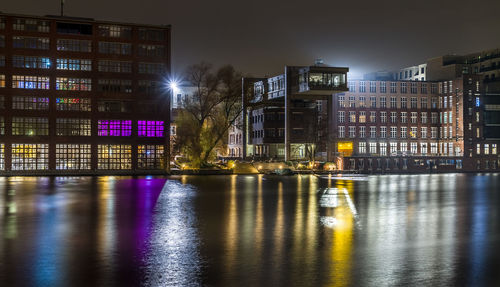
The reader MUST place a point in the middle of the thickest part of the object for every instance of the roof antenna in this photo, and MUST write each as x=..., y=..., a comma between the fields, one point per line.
x=62, y=8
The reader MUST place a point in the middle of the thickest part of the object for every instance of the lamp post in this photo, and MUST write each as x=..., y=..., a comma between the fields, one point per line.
x=172, y=86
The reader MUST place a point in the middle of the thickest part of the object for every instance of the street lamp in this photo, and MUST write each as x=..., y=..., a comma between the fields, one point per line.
x=172, y=87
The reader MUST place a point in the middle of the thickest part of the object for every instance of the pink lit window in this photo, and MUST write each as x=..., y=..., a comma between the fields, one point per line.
x=150, y=128
x=114, y=128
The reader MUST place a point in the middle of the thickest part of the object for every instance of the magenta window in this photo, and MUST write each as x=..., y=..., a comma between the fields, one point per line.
x=150, y=128
x=114, y=128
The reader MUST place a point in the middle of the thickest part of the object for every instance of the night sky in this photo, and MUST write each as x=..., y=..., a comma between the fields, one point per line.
x=259, y=37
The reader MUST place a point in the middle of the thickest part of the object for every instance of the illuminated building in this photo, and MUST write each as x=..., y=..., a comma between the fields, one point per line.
x=82, y=96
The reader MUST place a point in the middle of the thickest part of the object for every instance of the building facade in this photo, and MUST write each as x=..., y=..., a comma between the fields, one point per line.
x=83, y=96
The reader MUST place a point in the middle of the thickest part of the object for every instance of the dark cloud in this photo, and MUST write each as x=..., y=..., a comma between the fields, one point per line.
x=259, y=37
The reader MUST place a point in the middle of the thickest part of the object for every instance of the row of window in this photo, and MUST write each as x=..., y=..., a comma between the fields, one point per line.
x=85, y=46
x=78, y=157
x=394, y=102
x=407, y=148
x=382, y=86
x=38, y=126
x=364, y=117
x=392, y=132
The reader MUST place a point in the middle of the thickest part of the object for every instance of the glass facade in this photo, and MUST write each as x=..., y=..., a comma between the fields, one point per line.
x=114, y=157
x=30, y=103
x=73, y=104
x=150, y=128
x=114, y=128
x=30, y=126
x=73, y=127
x=73, y=157
x=150, y=157
x=30, y=156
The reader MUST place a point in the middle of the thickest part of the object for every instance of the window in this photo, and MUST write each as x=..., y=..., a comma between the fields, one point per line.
x=413, y=103
x=341, y=116
x=423, y=88
x=403, y=87
x=19, y=42
x=151, y=68
x=413, y=88
x=30, y=156
x=114, y=106
x=341, y=101
x=2, y=157
x=434, y=148
x=478, y=148
x=383, y=117
x=394, y=87
x=2, y=41
x=383, y=148
x=486, y=149
x=115, y=66
x=114, y=157
x=373, y=132
x=73, y=127
x=352, y=117
x=394, y=132
x=373, y=102
x=434, y=118
x=413, y=148
x=423, y=103
x=31, y=62
x=423, y=132
x=73, y=104
x=114, y=86
x=2, y=81
x=383, y=103
x=362, y=102
x=413, y=132
x=352, y=87
x=30, y=126
x=394, y=117
x=493, y=148
x=423, y=148
x=30, y=103
x=341, y=132
x=404, y=103
x=2, y=126
x=352, y=132
x=362, y=87
x=362, y=117
x=73, y=84
x=151, y=34
x=30, y=82
x=414, y=117
x=71, y=45
x=404, y=132
x=2, y=102
x=31, y=25
x=2, y=61
x=373, y=117
x=383, y=87
x=403, y=147
x=73, y=157
x=423, y=117
x=434, y=132
x=151, y=128
x=362, y=147
x=114, y=31
x=373, y=148
x=394, y=102
x=477, y=117
x=2, y=23
x=373, y=87
x=114, y=128
x=393, y=146
x=151, y=50
x=383, y=132
x=74, y=28
x=115, y=48
x=74, y=64
x=404, y=117
x=150, y=157
x=362, y=131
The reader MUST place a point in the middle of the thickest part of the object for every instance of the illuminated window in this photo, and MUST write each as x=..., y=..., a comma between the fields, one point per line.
x=114, y=157
x=72, y=45
x=373, y=148
x=394, y=132
x=73, y=156
x=30, y=82
x=150, y=157
x=114, y=128
x=30, y=126
x=362, y=102
x=362, y=148
x=2, y=81
x=32, y=25
x=151, y=50
x=115, y=31
x=362, y=131
x=31, y=62
x=423, y=148
x=74, y=64
x=30, y=103
x=413, y=132
x=2, y=157
x=115, y=48
x=73, y=127
x=434, y=148
x=115, y=66
x=114, y=85
x=341, y=132
x=151, y=68
x=352, y=117
x=478, y=148
x=151, y=34
x=383, y=148
x=73, y=104
x=403, y=147
x=393, y=147
x=30, y=43
x=73, y=84
x=493, y=148
x=150, y=128
x=30, y=156
x=413, y=148
x=362, y=117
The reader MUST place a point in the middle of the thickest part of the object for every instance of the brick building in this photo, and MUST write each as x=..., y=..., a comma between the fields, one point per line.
x=82, y=96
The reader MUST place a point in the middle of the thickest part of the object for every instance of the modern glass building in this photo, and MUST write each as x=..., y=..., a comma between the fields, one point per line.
x=82, y=96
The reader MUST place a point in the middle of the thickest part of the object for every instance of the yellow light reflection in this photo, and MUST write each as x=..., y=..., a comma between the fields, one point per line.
x=232, y=226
